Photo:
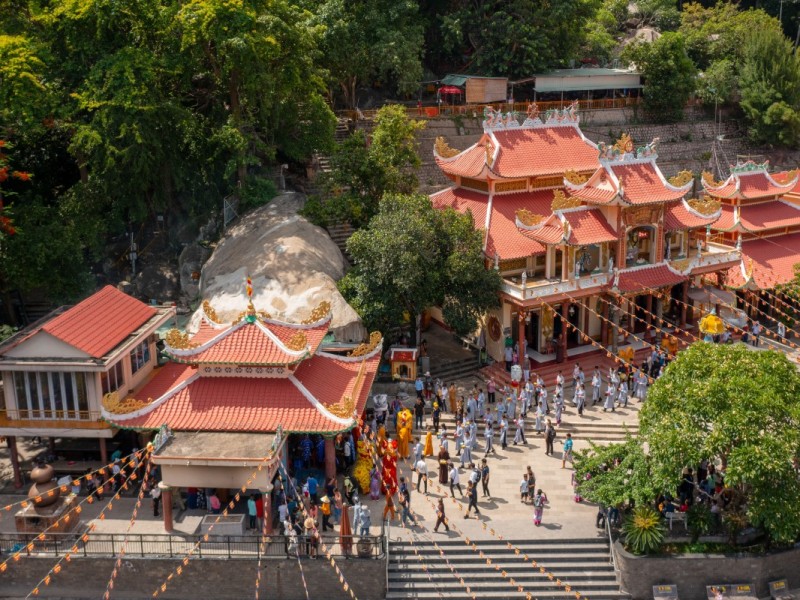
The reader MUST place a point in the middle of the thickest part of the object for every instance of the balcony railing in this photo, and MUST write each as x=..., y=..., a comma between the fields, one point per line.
x=82, y=419
x=713, y=254
x=541, y=288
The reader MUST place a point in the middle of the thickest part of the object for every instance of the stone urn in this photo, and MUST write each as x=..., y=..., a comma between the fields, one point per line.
x=43, y=483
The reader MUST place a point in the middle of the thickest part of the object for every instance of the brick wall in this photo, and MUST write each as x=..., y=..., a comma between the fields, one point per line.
x=202, y=578
x=693, y=572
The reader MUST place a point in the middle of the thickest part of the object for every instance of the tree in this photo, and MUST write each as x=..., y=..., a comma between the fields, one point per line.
x=668, y=73
x=364, y=40
x=717, y=83
x=363, y=170
x=516, y=38
x=730, y=403
x=770, y=88
x=412, y=257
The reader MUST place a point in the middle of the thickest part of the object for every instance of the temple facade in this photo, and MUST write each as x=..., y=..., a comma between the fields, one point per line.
x=582, y=233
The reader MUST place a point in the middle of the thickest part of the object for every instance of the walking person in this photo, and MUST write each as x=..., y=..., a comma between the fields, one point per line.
x=472, y=494
x=422, y=473
x=455, y=481
x=597, y=381
x=609, y=402
x=419, y=411
x=325, y=509
x=519, y=434
x=539, y=423
x=485, y=478
x=566, y=455
x=580, y=398
x=539, y=500
x=441, y=518
x=503, y=434
x=155, y=494
x=466, y=452
x=559, y=401
x=444, y=459
x=549, y=438
x=488, y=434
x=405, y=510
x=523, y=489
x=251, y=511
x=622, y=397
x=490, y=390
x=365, y=521
x=417, y=449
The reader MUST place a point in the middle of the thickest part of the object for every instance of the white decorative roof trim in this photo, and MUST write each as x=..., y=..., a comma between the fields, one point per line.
x=628, y=159
x=351, y=359
x=455, y=156
x=700, y=215
x=488, y=222
x=205, y=345
x=109, y=416
x=278, y=341
x=786, y=186
x=207, y=319
x=299, y=326
x=684, y=189
x=521, y=225
x=317, y=404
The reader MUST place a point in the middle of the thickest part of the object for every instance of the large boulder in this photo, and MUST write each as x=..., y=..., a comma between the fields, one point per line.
x=294, y=266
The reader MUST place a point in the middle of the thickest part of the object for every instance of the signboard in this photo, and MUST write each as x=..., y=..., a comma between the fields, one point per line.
x=732, y=590
x=665, y=592
x=779, y=590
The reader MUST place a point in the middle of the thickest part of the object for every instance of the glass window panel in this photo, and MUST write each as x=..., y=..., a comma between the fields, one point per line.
x=83, y=400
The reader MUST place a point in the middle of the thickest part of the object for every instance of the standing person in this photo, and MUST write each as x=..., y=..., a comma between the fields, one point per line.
x=539, y=500
x=597, y=381
x=485, y=478
x=325, y=509
x=622, y=397
x=451, y=397
x=519, y=434
x=609, y=402
x=455, y=481
x=436, y=415
x=419, y=386
x=441, y=519
x=488, y=434
x=472, y=493
x=419, y=411
x=444, y=459
x=466, y=452
x=531, y=480
x=213, y=503
x=503, y=434
x=443, y=441
x=404, y=488
x=559, y=402
x=155, y=494
x=251, y=511
x=365, y=521
x=428, y=450
x=405, y=510
x=549, y=438
x=566, y=455
x=756, y=333
x=259, y=512
x=490, y=390
x=417, y=449
x=580, y=398
x=337, y=506
x=523, y=489
x=526, y=368
x=422, y=473
x=539, y=423
x=459, y=436
x=641, y=385
x=388, y=508
x=509, y=357
x=481, y=401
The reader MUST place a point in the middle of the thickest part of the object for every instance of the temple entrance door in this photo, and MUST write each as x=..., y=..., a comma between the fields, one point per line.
x=640, y=322
x=533, y=331
x=574, y=317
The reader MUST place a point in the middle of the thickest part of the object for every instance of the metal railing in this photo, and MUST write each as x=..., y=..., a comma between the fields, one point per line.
x=476, y=110
x=17, y=414
x=176, y=546
x=612, y=554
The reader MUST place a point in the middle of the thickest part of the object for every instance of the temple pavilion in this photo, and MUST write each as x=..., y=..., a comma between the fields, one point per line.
x=576, y=228
x=233, y=393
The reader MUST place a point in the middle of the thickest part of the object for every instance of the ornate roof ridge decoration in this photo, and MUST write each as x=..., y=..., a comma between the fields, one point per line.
x=706, y=207
x=251, y=312
x=623, y=150
x=529, y=219
x=749, y=166
x=574, y=177
x=443, y=149
x=624, y=144
x=785, y=178
x=489, y=154
x=210, y=313
x=115, y=405
x=495, y=120
x=681, y=179
x=344, y=409
x=298, y=341
x=561, y=201
x=682, y=265
x=179, y=340
x=709, y=181
x=321, y=311
x=375, y=338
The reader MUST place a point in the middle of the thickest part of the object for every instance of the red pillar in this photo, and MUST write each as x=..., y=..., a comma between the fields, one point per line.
x=267, y=496
x=604, y=323
x=564, y=328
x=166, y=505
x=103, y=451
x=12, y=450
x=330, y=458
x=521, y=334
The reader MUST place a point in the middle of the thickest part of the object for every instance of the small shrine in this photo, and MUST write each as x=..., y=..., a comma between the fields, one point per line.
x=235, y=394
x=46, y=505
x=404, y=363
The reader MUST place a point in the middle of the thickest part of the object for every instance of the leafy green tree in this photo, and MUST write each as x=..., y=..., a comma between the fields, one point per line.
x=717, y=83
x=661, y=14
x=730, y=403
x=412, y=257
x=668, y=72
x=363, y=170
x=516, y=38
x=770, y=88
x=365, y=40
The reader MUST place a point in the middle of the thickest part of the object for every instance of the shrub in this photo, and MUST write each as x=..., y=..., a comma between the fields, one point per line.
x=644, y=530
x=699, y=520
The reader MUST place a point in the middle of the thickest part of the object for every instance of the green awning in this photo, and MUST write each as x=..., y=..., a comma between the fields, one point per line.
x=457, y=80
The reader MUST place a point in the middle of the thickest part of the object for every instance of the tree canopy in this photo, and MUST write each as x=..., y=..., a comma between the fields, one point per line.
x=412, y=257
x=725, y=403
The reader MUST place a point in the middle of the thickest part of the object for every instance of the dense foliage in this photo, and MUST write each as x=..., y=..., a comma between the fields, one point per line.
x=717, y=402
x=412, y=257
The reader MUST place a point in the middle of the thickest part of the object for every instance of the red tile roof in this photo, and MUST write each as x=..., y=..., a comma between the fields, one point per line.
x=246, y=344
x=528, y=152
x=638, y=279
x=504, y=237
x=641, y=184
x=469, y=163
x=552, y=233
x=678, y=216
x=588, y=227
x=725, y=221
x=770, y=215
x=754, y=185
x=463, y=200
x=255, y=404
x=773, y=260
x=598, y=189
x=100, y=323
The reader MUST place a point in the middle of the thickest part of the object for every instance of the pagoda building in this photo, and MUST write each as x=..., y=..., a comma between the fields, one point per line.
x=236, y=393
x=569, y=223
x=761, y=215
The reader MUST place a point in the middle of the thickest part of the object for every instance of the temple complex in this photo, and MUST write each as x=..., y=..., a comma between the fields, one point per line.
x=582, y=233
x=236, y=396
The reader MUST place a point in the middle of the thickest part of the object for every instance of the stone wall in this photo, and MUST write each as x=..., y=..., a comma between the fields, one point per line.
x=201, y=578
x=693, y=572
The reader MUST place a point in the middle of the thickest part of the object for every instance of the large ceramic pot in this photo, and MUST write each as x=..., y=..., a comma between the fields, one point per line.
x=43, y=482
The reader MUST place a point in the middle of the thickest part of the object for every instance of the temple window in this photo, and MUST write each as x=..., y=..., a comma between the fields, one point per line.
x=674, y=245
x=587, y=259
x=536, y=266
x=640, y=246
x=112, y=379
x=51, y=395
x=140, y=356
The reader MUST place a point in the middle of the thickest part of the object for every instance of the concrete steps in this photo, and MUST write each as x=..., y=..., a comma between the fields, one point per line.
x=455, y=369
x=340, y=233
x=581, y=563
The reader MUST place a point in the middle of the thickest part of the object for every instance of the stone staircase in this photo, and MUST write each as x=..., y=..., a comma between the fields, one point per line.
x=582, y=563
x=340, y=233
x=342, y=130
x=454, y=369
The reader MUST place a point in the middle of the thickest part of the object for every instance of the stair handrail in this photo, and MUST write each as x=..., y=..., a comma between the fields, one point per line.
x=387, y=526
x=611, y=553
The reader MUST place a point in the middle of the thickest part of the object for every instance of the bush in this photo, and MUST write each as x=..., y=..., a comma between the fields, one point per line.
x=256, y=191
x=699, y=520
x=644, y=531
